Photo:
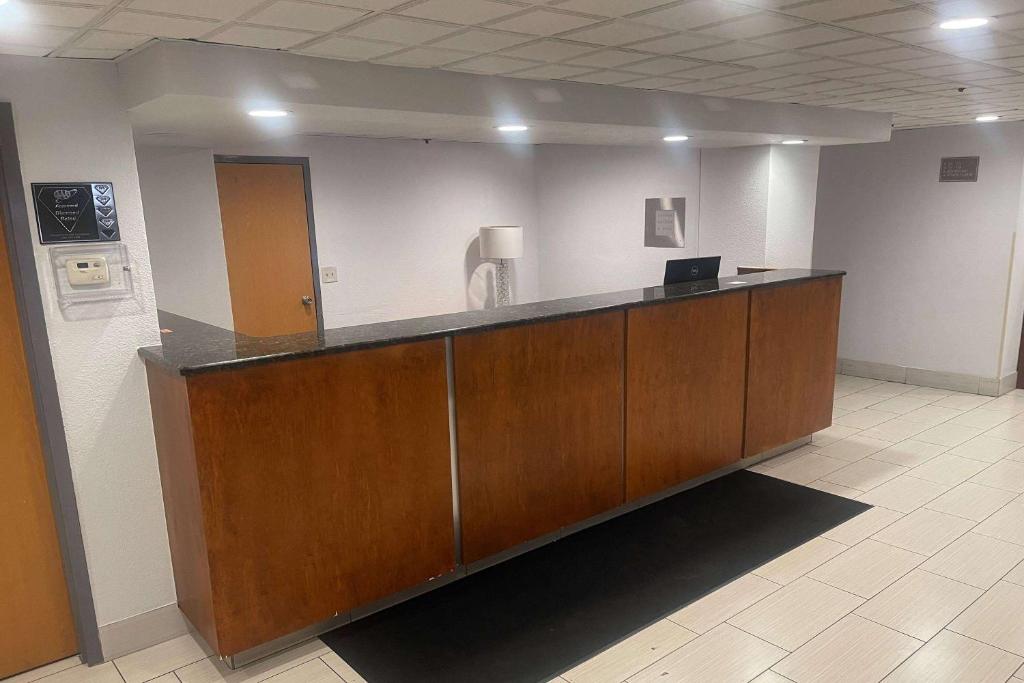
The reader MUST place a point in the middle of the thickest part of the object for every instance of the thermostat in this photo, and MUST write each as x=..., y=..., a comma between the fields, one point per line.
x=87, y=270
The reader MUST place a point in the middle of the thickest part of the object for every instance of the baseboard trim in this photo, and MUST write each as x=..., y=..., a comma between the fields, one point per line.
x=143, y=630
x=953, y=381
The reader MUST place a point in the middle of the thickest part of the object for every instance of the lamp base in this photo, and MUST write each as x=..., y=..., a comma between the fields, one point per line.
x=503, y=285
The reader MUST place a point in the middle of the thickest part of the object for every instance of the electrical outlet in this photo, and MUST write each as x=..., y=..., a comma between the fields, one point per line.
x=329, y=274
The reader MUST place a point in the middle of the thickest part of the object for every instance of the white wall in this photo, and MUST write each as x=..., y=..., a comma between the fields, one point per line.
x=185, y=236
x=70, y=128
x=1014, y=314
x=792, y=196
x=591, y=206
x=928, y=262
x=395, y=216
x=734, y=207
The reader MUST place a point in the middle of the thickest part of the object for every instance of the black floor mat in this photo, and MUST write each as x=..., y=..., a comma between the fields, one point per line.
x=537, y=615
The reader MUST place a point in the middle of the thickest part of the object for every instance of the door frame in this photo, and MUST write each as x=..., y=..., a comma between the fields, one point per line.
x=314, y=259
x=50, y=421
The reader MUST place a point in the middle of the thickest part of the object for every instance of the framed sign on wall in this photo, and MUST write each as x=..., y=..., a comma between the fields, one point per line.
x=75, y=212
x=959, y=169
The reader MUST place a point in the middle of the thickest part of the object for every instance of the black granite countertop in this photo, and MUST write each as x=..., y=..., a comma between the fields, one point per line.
x=190, y=347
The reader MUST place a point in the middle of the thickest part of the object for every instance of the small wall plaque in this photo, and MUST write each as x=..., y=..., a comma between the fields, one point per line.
x=75, y=212
x=959, y=169
x=665, y=222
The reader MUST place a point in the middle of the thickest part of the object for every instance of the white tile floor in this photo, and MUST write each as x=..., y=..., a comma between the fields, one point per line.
x=927, y=586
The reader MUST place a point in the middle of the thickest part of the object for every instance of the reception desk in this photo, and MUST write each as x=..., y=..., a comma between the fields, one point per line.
x=311, y=477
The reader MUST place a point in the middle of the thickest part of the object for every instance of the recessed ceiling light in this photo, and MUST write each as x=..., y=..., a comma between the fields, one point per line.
x=268, y=113
x=960, y=24
x=794, y=142
x=513, y=128
x=676, y=138
x=986, y=118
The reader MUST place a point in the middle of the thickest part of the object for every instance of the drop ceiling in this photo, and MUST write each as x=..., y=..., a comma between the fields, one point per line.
x=869, y=55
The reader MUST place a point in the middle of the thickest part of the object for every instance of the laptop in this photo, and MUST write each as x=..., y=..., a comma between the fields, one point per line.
x=691, y=269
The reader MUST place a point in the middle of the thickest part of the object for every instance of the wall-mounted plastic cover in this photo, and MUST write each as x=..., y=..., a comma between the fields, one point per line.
x=119, y=286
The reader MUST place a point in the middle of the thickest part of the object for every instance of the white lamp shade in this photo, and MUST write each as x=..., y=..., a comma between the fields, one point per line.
x=501, y=241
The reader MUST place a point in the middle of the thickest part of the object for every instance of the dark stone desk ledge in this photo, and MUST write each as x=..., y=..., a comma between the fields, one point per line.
x=189, y=347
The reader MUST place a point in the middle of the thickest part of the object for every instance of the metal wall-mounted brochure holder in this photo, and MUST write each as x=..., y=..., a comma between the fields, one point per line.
x=91, y=273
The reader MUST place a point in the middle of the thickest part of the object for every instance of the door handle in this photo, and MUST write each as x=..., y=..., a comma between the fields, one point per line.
x=307, y=301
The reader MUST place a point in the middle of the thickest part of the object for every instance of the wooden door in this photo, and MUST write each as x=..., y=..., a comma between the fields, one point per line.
x=539, y=417
x=791, y=367
x=266, y=244
x=36, y=626
x=686, y=365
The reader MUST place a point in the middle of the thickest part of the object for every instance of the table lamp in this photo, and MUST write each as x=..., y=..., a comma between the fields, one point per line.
x=501, y=243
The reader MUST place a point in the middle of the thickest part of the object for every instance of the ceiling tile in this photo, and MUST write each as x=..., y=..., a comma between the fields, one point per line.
x=158, y=25
x=923, y=62
x=695, y=87
x=851, y=47
x=792, y=81
x=653, y=83
x=813, y=66
x=692, y=14
x=23, y=50
x=607, y=59
x=110, y=40
x=609, y=8
x=854, y=72
x=221, y=9
x=423, y=57
x=773, y=95
x=895, y=77
x=755, y=25
x=987, y=8
x=481, y=40
x=680, y=42
x=605, y=77
x=804, y=37
x=1010, y=62
x=832, y=10
x=461, y=11
x=711, y=71
x=901, y=20
x=375, y=5
x=998, y=52
x=303, y=15
x=828, y=86
x=778, y=60
x=887, y=56
x=549, y=50
x=492, y=64
x=754, y=76
x=730, y=52
x=662, y=65
x=615, y=33
x=59, y=15
x=542, y=22
x=960, y=44
x=400, y=30
x=257, y=36
x=86, y=53
x=736, y=91
x=769, y=4
x=347, y=47
x=551, y=72
x=34, y=36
